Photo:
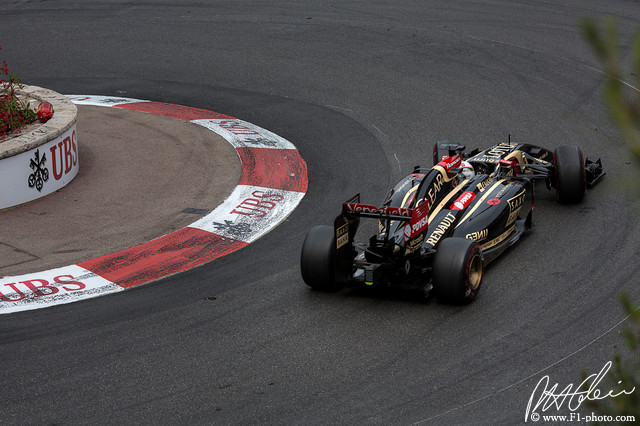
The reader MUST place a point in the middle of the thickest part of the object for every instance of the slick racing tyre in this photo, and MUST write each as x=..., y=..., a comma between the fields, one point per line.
x=318, y=259
x=457, y=270
x=571, y=183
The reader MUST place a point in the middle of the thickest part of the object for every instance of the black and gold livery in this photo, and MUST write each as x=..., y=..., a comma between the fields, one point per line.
x=439, y=227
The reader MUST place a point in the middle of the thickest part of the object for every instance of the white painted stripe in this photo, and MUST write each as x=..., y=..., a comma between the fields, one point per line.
x=54, y=287
x=101, y=100
x=250, y=212
x=242, y=134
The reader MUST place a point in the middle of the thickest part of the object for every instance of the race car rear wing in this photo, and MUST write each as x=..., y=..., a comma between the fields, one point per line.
x=346, y=224
x=352, y=207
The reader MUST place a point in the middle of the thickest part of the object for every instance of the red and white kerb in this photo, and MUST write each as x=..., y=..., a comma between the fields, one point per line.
x=274, y=181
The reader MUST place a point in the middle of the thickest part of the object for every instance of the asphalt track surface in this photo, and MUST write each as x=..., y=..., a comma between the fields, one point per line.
x=362, y=89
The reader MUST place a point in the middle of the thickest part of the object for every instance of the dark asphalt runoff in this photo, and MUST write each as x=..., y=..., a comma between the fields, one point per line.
x=363, y=89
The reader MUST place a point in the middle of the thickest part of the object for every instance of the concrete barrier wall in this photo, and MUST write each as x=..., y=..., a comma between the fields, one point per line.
x=44, y=157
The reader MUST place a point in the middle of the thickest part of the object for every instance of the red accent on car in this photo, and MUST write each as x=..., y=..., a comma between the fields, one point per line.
x=450, y=163
x=396, y=211
x=512, y=164
x=360, y=208
x=383, y=211
x=463, y=201
x=419, y=221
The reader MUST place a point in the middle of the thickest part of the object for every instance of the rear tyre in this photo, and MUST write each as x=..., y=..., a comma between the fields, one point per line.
x=571, y=182
x=318, y=259
x=457, y=270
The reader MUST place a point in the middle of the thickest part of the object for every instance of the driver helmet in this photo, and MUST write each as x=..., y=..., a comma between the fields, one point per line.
x=467, y=170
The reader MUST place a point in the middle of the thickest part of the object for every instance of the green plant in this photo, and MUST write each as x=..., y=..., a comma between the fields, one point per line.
x=14, y=112
x=622, y=98
x=623, y=377
x=623, y=102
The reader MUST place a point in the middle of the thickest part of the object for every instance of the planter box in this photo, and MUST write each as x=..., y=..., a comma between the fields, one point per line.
x=44, y=157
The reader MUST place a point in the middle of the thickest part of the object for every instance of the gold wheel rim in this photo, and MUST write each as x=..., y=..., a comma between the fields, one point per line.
x=475, y=272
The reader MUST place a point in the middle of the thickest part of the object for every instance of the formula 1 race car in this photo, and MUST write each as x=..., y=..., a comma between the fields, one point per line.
x=439, y=227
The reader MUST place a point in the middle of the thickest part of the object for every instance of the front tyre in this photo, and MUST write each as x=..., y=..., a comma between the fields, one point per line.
x=571, y=182
x=457, y=270
x=318, y=259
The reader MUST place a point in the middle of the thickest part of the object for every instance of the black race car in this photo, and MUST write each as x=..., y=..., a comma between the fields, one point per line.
x=439, y=227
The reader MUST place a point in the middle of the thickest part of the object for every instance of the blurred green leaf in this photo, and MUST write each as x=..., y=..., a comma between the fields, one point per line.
x=622, y=98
